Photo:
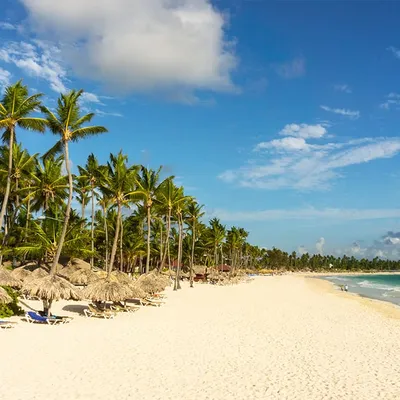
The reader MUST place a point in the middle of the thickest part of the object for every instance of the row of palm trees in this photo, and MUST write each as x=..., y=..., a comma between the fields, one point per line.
x=138, y=219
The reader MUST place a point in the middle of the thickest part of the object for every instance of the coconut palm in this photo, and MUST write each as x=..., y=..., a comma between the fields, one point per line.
x=217, y=234
x=118, y=185
x=147, y=186
x=16, y=109
x=68, y=123
x=169, y=197
x=194, y=213
x=92, y=172
x=82, y=187
x=179, y=210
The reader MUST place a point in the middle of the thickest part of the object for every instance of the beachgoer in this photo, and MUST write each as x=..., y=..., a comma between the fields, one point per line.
x=346, y=288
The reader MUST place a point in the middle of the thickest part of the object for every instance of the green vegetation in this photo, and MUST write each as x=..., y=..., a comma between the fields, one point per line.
x=139, y=219
x=10, y=309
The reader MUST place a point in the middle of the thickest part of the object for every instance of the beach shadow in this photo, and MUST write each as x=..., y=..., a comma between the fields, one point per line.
x=75, y=308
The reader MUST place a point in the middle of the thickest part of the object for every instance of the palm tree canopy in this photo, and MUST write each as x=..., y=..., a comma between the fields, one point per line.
x=16, y=107
x=67, y=121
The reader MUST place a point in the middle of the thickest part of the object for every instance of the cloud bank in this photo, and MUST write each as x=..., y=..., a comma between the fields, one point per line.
x=304, y=160
x=140, y=45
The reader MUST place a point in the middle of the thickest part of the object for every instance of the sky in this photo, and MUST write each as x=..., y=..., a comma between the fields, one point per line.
x=281, y=117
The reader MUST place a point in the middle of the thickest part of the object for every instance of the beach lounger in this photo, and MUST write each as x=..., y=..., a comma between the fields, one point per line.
x=33, y=317
x=7, y=324
x=123, y=308
x=149, y=302
x=92, y=311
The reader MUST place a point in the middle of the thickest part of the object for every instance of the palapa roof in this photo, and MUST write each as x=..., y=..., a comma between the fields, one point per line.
x=20, y=273
x=51, y=288
x=78, y=263
x=7, y=279
x=136, y=292
x=4, y=297
x=153, y=282
x=82, y=276
x=36, y=274
x=199, y=269
x=107, y=290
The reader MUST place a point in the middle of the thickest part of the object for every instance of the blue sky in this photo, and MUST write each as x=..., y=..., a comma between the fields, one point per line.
x=281, y=117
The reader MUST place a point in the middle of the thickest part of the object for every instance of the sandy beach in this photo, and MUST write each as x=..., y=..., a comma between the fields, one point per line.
x=278, y=337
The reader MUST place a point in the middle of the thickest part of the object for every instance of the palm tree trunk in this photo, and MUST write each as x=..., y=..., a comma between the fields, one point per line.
x=177, y=284
x=83, y=210
x=121, y=254
x=192, y=258
x=106, y=233
x=54, y=265
x=9, y=174
x=161, y=243
x=167, y=241
x=92, y=231
x=148, y=239
x=115, y=244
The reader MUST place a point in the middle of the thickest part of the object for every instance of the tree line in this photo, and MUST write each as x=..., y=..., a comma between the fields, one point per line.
x=131, y=218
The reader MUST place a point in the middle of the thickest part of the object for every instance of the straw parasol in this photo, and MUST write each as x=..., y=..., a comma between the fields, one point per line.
x=37, y=274
x=152, y=283
x=107, y=290
x=20, y=273
x=136, y=292
x=78, y=263
x=6, y=279
x=82, y=276
x=4, y=297
x=51, y=288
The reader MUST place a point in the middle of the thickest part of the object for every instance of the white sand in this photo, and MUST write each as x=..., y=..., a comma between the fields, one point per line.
x=274, y=338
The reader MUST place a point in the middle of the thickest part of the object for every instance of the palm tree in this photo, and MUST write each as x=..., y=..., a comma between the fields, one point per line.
x=169, y=197
x=179, y=210
x=194, y=213
x=48, y=186
x=92, y=172
x=217, y=235
x=147, y=186
x=82, y=187
x=16, y=108
x=67, y=122
x=118, y=185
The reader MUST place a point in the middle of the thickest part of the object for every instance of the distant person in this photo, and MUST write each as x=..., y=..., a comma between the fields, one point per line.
x=346, y=288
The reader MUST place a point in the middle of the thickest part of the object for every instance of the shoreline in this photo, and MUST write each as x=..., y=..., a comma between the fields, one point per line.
x=385, y=308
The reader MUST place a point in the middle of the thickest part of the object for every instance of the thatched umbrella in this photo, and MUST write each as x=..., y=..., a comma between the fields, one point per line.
x=136, y=292
x=7, y=279
x=37, y=274
x=78, y=263
x=116, y=276
x=20, y=273
x=50, y=288
x=4, y=297
x=107, y=290
x=82, y=277
x=152, y=283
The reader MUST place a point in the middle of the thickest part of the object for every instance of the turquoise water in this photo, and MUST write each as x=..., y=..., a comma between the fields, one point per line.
x=380, y=287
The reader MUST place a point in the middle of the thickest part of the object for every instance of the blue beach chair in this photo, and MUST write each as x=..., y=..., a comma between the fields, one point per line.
x=33, y=317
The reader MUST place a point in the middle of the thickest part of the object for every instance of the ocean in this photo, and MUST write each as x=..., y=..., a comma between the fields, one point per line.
x=380, y=287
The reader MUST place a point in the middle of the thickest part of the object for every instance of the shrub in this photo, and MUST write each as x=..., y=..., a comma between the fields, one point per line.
x=10, y=309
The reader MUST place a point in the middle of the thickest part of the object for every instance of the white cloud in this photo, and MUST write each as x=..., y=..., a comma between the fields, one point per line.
x=286, y=144
x=7, y=26
x=37, y=59
x=304, y=131
x=309, y=213
x=88, y=97
x=141, y=45
x=342, y=111
x=395, y=51
x=101, y=113
x=293, y=162
x=5, y=77
x=320, y=246
x=292, y=69
x=392, y=100
x=302, y=250
x=343, y=88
